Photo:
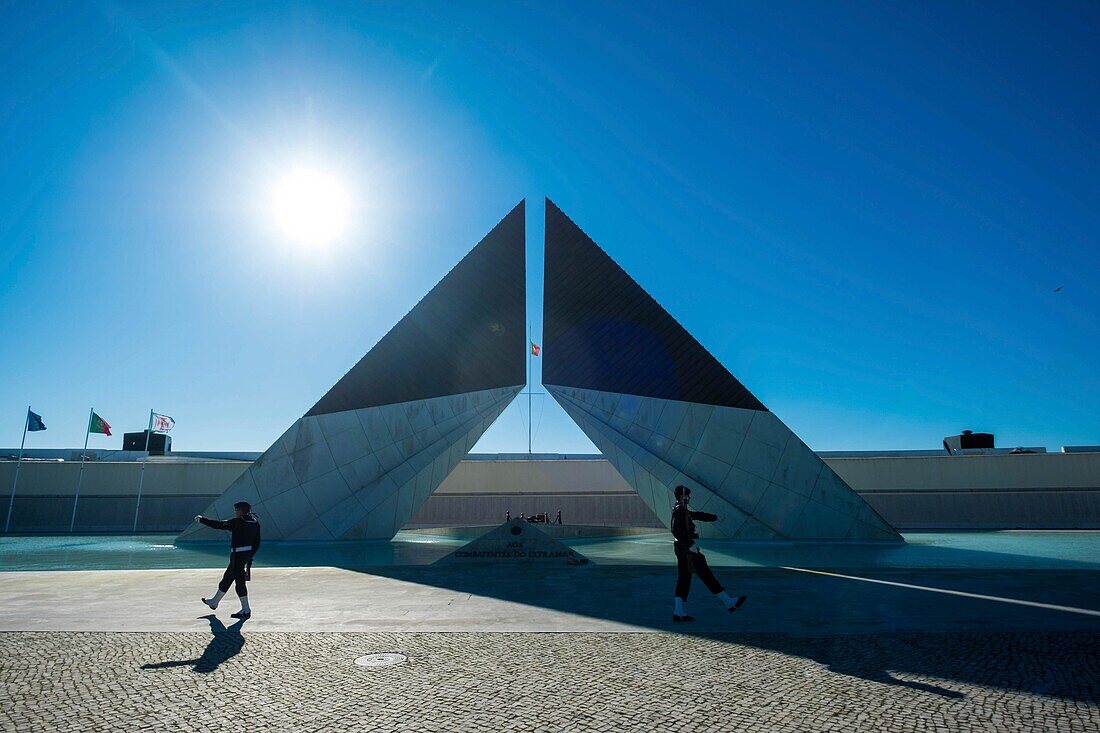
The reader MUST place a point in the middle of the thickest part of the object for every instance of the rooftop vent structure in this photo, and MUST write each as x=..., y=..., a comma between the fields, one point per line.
x=968, y=440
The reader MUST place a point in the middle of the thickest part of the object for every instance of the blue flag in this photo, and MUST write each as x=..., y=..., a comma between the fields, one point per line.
x=34, y=422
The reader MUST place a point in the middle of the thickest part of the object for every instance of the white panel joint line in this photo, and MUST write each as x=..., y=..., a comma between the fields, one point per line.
x=964, y=594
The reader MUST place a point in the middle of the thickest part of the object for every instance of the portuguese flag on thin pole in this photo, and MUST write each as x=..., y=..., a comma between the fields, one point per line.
x=98, y=425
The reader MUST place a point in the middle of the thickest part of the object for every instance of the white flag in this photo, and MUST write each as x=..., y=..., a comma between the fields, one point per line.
x=162, y=423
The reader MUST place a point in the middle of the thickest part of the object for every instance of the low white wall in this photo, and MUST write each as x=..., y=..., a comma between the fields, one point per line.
x=172, y=493
x=1028, y=491
x=1006, y=491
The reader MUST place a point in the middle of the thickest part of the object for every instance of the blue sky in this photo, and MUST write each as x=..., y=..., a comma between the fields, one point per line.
x=862, y=209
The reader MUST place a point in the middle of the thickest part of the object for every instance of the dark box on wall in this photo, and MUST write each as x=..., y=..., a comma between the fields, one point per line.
x=159, y=443
x=969, y=440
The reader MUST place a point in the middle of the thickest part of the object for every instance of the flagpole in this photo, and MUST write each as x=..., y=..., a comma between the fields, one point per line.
x=18, y=464
x=80, y=476
x=530, y=387
x=141, y=478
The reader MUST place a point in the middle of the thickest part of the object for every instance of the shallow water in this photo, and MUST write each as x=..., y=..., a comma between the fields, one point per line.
x=939, y=550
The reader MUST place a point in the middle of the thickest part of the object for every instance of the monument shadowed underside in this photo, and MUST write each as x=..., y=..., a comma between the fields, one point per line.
x=664, y=411
x=375, y=446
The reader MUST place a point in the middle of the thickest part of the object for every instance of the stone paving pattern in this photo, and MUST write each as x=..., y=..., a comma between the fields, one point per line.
x=272, y=681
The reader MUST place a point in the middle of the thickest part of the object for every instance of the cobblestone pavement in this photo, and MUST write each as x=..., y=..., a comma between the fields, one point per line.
x=274, y=681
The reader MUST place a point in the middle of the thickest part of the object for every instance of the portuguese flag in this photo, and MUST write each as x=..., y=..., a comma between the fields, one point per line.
x=98, y=425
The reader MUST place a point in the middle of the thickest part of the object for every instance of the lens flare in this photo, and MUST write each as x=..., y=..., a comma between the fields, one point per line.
x=310, y=206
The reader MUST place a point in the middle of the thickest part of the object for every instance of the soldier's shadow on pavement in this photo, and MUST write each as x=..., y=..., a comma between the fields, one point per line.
x=226, y=644
x=884, y=677
x=861, y=663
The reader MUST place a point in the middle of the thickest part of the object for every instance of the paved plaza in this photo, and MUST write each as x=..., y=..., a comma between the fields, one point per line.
x=234, y=680
x=557, y=649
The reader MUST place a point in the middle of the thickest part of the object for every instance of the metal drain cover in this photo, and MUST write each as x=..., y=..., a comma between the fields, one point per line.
x=381, y=659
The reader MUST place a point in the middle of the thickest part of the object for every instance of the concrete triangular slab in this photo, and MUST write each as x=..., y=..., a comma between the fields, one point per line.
x=364, y=457
x=468, y=334
x=603, y=331
x=755, y=474
x=666, y=412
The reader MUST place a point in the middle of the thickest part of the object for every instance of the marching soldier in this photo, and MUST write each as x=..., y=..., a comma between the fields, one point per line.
x=244, y=531
x=690, y=559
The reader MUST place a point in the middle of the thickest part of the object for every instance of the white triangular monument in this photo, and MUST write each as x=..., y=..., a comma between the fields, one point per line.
x=665, y=412
x=360, y=462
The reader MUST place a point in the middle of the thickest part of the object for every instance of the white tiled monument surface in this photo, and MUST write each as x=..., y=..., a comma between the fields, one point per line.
x=373, y=449
x=358, y=474
x=746, y=466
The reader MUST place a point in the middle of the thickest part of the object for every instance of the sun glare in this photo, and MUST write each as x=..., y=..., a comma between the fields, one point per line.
x=311, y=206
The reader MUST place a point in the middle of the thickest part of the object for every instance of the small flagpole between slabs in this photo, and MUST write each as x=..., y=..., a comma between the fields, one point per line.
x=530, y=388
x=141, y=477
x=80, y=476
x=18, y=464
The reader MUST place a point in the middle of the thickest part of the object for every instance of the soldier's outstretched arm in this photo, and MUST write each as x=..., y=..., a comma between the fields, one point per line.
x=212, y=523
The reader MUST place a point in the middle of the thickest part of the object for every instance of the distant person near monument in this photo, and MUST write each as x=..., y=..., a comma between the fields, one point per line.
x=689, y=558
x=245, y=541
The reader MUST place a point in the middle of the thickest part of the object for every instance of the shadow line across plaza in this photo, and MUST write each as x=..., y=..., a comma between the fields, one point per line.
x=865, y=630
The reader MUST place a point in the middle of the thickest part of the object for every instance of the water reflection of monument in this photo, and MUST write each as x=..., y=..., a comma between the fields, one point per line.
x=660, y=407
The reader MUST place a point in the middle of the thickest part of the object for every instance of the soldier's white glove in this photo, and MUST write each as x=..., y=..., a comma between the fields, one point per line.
x=198, y=517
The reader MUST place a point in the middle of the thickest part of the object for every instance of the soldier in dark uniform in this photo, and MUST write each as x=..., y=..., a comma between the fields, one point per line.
x=690, y=559
x=244, y=531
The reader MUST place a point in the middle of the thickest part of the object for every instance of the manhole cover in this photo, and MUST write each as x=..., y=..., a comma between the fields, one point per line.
x=383, y=659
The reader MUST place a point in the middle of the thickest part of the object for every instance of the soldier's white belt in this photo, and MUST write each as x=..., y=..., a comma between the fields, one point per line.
x=246, y=548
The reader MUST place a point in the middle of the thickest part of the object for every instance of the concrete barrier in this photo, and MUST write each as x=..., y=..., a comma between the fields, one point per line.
x=1005, y=491
x=172, y=493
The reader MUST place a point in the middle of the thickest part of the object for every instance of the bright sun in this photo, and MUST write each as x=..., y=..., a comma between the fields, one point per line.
x=311, y=206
